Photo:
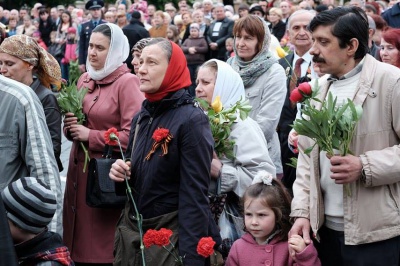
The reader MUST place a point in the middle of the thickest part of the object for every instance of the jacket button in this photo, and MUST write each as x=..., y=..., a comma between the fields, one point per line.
x=75, y=185
x=73, y=209
x=268, y=249
x=267, y=263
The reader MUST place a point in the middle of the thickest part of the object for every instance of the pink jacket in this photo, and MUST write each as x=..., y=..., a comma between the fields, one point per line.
x=70, y=53
x=246, y=251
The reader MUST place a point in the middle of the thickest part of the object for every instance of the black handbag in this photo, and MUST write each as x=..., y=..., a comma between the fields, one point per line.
x=100, y=189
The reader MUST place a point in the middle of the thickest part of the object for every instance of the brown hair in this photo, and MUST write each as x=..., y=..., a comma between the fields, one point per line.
x=252, y=26
x=276, y=197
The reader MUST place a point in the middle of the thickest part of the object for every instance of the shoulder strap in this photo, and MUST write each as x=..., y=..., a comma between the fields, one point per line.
x=135, y=136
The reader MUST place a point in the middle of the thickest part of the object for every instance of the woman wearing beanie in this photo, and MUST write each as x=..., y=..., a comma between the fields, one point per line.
x=169, y=176
x=30, y=206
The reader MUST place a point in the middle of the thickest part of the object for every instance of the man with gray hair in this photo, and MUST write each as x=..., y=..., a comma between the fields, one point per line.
x=373, y=48
x=220, y=30
x=299, y=68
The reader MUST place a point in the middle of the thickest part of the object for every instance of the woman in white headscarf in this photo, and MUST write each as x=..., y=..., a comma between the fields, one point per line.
x=112, y=100
x=217, y=78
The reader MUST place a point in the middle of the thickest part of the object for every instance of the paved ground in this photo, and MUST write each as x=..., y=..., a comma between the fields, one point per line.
x=65, y=149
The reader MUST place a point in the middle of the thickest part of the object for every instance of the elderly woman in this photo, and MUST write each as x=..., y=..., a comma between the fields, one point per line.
x=22, y=59
x=277, y=26
x=390, y=47
x=263, y=78
x=169, y=174
x=217, y=78
x=112, y=100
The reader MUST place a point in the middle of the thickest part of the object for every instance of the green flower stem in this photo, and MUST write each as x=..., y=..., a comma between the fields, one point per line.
x=87, y=158
x=178, y=259
x=139, y=217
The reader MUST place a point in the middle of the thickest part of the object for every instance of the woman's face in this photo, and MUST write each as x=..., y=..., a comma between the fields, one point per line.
x=206, y=78
x=98, y=50
x=273, y=18
x=65, y=18
x=153, y=66
x=27, y=22
x=246, y=45
x=389, y=53
x=14, y=68
x=157, y=20
x=186, y=19
x=44, y=16
x=136, y=61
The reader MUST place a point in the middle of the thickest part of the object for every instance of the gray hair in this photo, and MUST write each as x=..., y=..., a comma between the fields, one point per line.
x=299, y=12
x=164, y=44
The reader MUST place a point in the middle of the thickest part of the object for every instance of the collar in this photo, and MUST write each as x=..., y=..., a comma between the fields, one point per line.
x=350, y=74
x=307, y=57
x=272, y=236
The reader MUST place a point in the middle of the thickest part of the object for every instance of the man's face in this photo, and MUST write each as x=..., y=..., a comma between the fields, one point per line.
x=263, y=4
x=207, y=7
x=54, y=13
x=299, y=36
x=22, y=13
x=285, y=7
x=95, y=12
x=150, y=10
x=328, y=57
x=219, y=13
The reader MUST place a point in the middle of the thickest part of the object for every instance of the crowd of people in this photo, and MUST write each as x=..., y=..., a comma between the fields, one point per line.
x=143, y=69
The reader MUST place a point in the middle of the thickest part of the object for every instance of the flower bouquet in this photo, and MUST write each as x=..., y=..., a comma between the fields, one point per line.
x=70, y=100
x=331, y=127
x=221, y=121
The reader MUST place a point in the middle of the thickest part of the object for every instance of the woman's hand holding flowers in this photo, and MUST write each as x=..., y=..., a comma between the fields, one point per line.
x=79, y=132
x=120, y=170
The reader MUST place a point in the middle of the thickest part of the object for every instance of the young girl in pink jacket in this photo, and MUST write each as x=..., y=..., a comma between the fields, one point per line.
x=266, y=207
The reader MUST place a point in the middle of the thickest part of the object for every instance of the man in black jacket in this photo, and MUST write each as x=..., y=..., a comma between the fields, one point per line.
x=135, y=31
x=300, y=37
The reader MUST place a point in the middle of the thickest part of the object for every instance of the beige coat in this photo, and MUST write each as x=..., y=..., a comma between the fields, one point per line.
x=28, y=31
x=372, y=211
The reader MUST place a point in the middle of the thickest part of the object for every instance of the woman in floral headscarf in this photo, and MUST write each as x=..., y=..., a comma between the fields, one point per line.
x=23, y=60
x=263, y=78
x=112, y=100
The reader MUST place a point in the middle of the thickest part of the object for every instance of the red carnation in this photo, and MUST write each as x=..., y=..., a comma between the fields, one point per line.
x=111, y=136
x=296, y=96
x=205, y=247
x=162, y=237
x=160, y=134
x=305, y=87
x=148, y=238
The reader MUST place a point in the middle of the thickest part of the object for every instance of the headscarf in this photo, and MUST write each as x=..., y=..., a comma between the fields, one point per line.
x=251, y=70
x=117, y=54
x=176, y=77
x=27, y=49
x=228, y=85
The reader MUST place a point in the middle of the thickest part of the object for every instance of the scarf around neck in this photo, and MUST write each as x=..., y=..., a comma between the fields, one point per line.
x=251, y=70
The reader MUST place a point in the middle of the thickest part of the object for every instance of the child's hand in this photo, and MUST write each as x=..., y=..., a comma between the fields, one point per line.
x=297, y=244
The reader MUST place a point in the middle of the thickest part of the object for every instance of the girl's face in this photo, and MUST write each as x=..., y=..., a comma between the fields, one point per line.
x=170, y=34
x=229, y=46
x=194, y=33
x=389, y=53
x=258, y=219
x=206, y=78
x=65, y=18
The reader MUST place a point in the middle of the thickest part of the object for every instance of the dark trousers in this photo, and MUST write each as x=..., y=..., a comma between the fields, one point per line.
x=333, y=252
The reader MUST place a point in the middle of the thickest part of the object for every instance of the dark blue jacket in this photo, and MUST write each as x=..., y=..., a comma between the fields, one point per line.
x=392, y=16
x=178, y=180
